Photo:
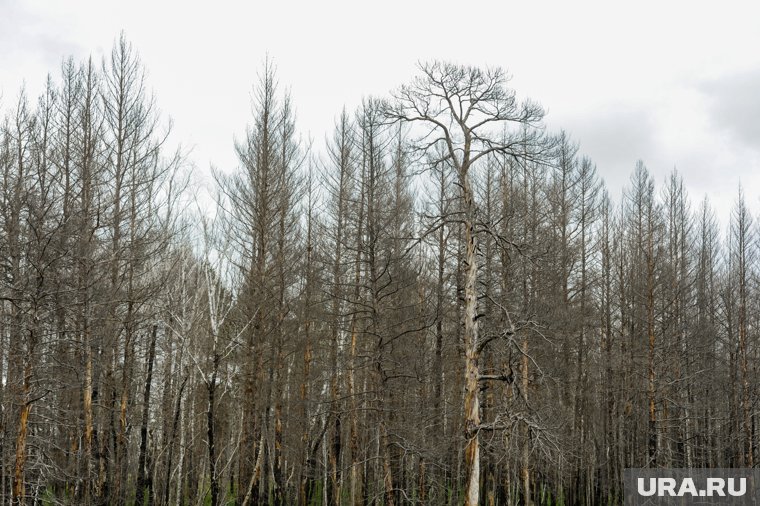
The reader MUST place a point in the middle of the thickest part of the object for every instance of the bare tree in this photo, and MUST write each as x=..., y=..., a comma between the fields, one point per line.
x=462, y=107
x=512, y=335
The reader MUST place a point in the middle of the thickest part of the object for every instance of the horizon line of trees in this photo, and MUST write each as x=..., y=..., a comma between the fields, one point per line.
x=441, y=306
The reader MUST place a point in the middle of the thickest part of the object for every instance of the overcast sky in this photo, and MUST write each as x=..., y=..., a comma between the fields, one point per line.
x=676, y=84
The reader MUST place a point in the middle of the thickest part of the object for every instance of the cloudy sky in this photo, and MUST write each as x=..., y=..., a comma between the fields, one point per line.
x=676, y=84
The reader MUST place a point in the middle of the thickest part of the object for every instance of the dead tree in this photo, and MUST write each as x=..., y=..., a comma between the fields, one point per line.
x=467, y=109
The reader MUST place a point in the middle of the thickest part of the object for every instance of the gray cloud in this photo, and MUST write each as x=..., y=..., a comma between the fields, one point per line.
x=614, y=137
x=733, y=105
x=33, y=38
x=617, y=135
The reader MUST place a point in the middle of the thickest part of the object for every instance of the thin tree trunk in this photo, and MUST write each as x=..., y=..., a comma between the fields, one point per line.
x=652, y=430
x=211, y=432
x=251, y=489
x=525, y=429
x=19, y=490
x=169, y=458
x=142, y=482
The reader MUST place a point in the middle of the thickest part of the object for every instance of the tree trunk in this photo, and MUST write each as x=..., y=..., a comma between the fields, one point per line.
x=472, y=390
x=525, y=429
x=175, y=426
x=19, y=491
x=142, y=482
x=210, y=432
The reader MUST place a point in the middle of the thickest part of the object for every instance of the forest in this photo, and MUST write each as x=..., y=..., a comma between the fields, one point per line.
x=439, y=304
